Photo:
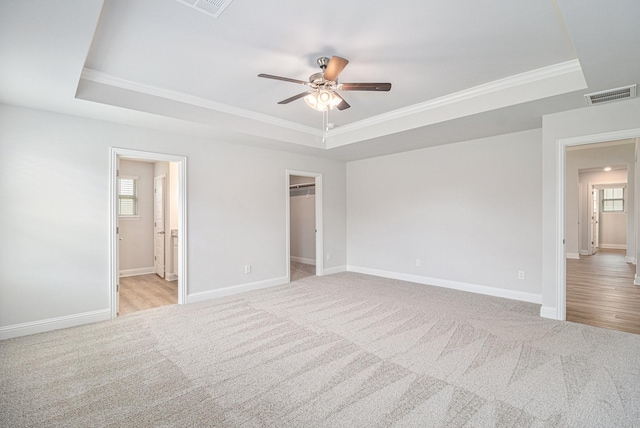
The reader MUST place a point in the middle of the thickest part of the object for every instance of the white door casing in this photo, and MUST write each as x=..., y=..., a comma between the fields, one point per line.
x=158, y=225
x=319, y=221
x=114, y=274
x=559, y=312
x=595, y=222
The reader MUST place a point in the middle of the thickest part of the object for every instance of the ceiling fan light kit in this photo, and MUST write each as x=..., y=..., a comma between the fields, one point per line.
x=324, y=87
x=322, y=100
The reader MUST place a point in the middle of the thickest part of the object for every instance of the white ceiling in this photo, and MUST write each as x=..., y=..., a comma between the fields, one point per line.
x=459, y=70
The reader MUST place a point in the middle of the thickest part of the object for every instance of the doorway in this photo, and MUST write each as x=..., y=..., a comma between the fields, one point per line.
x=600, y=239
x=165, y=181
x=304, y=231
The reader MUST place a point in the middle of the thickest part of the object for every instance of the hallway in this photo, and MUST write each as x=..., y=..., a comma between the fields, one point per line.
x=600, y=291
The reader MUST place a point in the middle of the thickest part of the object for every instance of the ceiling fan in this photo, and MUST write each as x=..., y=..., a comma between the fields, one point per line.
x=324, y=89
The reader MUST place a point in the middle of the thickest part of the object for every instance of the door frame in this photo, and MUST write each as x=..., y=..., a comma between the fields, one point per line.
x=114, y=275
x=594, y=224
x=319, y=220
x=561, y=179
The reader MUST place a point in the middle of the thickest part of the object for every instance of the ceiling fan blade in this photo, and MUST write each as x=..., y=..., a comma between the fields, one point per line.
x=284, y=79
x=334, y=68
x=343, y=104
x=365, y=86
x=295, y=97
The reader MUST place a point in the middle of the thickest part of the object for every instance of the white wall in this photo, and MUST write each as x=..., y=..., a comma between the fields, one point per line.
x=54, y=251
x=136, y=245
x=609, y=121
x=469, y=211
x=583, y=158
x=613, y=230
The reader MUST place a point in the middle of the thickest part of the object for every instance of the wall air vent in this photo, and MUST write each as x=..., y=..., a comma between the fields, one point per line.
x=611, y=95
x=210, y=7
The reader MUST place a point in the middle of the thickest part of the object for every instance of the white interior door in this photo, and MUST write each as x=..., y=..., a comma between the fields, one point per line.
x=158, y=225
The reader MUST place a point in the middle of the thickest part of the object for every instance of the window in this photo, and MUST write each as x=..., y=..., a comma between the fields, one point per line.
x=128, y=196
x=613, y=199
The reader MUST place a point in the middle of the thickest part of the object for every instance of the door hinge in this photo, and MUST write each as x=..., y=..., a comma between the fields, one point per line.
x=118, y=286
x=117, y=173
x=117, y=230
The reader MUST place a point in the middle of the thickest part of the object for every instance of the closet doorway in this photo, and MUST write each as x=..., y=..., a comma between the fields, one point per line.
x=304, y=225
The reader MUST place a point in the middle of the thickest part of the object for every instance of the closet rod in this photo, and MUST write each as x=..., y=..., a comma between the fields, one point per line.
x=297, y=186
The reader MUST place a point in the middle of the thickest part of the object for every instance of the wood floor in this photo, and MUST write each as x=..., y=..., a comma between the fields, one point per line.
x=600, y=291
x=145, y=292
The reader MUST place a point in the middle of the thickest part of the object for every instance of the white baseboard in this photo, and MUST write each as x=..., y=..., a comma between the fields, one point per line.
x=585, y=253
x=573, y=256
x=455, y=285
x=50, y=324
x=613, y=246
x=332, y=270
x=636, y=280
x=631, y=260
x=171, y=277
x=138, y=271
x=234, y=289
x=303, y=260
x=549, y=312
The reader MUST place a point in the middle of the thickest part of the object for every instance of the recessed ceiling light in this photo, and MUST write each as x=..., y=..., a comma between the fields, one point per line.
x=608, y=169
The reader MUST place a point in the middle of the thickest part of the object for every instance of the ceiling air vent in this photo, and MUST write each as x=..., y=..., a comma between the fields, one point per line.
x=611, y=95
x=210, y=7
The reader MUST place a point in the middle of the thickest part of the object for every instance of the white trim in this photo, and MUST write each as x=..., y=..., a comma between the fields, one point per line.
x=480, y=91
x=137, y=271
x=631, y=260
x=561, y=167
x=171, y=277
x=455, y=285
x=573, y=256
x=319, y=220
x=303, y=260
x=585, y=253
x=636, y=280
x=334, y=270
x=613, y=246
x=549, y=312
x=115, y=155
x=50, y=324
x=235, y=289
x=117, y=82
x=553, y=79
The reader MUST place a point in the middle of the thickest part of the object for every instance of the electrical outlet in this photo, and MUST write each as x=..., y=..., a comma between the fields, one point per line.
x=247, y=268
x=328, y=256
x=418, y=262
x=520, y=274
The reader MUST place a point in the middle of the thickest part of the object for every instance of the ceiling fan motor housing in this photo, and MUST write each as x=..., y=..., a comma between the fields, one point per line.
x=323, y=62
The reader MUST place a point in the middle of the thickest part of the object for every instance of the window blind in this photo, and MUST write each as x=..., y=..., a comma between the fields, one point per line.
x=127, y=196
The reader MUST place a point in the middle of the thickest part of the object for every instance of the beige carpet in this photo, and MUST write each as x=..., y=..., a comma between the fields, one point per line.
x=346, y=350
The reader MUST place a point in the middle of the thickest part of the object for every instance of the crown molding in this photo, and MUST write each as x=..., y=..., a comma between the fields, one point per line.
x=109, y=80
x=533, y=76
x=523, y=82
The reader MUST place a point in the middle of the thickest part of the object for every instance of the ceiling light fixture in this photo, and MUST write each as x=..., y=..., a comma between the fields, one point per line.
x=322, y=100
x=608, y=169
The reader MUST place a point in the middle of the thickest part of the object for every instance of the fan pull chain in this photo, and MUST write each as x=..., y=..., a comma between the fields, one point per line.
x=325, y=125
